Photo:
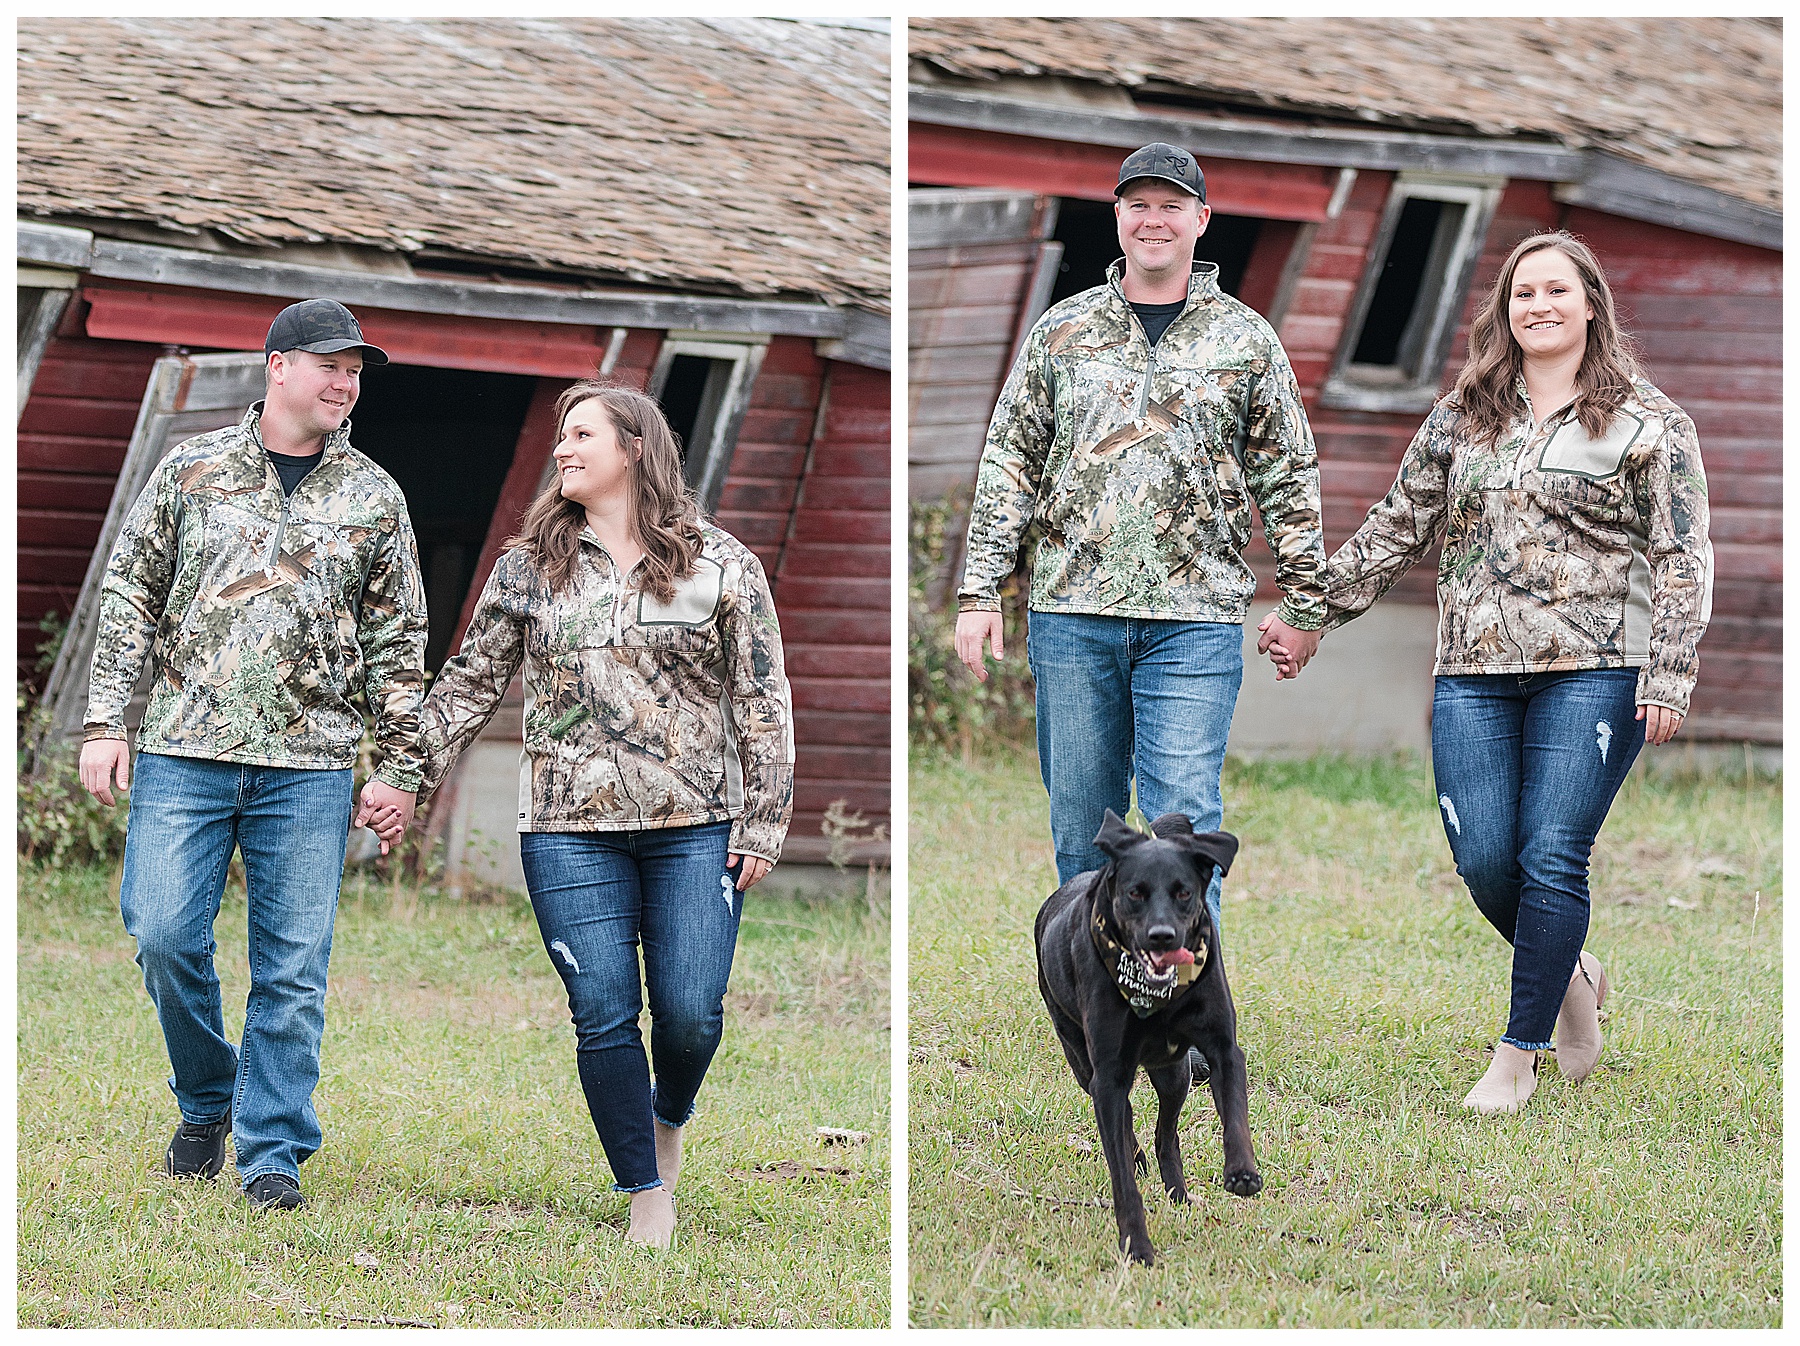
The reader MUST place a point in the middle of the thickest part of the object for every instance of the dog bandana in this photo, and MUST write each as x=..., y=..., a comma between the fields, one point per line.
x=1146, y=989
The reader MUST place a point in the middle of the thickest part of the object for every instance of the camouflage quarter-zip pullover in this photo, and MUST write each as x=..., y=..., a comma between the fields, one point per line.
x=264, y=613
x=1132, y=468
x=1560, y=551
x=637, y=715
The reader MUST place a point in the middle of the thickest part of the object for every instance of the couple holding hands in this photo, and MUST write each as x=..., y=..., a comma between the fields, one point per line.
x=269, y=573
x=1144, y=416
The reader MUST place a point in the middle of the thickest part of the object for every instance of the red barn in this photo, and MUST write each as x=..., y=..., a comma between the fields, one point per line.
x=696, y=207
x=1367, y=178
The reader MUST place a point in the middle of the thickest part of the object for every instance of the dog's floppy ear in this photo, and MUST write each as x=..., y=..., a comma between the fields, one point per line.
x=1117, y=837
x=1219, y=848
x=1173, y=825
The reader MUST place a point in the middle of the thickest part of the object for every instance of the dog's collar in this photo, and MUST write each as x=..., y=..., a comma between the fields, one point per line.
x=1145, y=995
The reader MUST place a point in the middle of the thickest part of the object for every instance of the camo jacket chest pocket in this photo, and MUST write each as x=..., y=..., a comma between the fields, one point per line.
x=1588, y=474
x=688, y=624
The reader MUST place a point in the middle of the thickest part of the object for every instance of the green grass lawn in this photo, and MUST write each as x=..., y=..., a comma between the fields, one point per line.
x=1369, y=995
x=460, y=1183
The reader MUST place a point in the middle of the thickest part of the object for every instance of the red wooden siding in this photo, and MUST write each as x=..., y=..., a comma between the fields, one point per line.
x=940, y=156
x=72, y=439
x=1707, y=316
x=815, y=482
x=206, y=318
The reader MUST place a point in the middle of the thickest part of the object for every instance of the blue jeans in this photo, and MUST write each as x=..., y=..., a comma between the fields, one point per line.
x=1119, y=697
x=187, y=814
x=1527, y=767
x=597, y=896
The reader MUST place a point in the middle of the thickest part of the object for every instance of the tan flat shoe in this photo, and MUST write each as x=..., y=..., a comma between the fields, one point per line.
x=1505, y=1088
x=1578, y=1036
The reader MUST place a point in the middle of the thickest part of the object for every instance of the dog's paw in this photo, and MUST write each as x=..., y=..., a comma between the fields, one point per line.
x=1141, y=1162
x=1137, y=1250
x=1178, y=1195
x=1245, y=1182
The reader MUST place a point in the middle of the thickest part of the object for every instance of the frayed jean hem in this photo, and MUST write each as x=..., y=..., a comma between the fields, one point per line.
x=1527, y=1046
x=644, y=1187
x=673, y=1126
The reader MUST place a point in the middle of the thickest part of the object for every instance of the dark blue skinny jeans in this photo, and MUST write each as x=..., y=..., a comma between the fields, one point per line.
x=598, y=896
x=1527, y=767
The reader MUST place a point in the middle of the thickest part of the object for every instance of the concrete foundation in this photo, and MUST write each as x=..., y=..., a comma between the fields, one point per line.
x=483, y=838
x=1367, y=690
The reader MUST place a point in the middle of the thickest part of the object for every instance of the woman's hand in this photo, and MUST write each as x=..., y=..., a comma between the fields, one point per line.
x=1660, y=723
x=1289, y=649
x=751, y=869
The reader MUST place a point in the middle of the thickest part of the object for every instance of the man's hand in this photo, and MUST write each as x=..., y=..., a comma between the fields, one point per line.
x=100, y=758
x=971, y=629
x=1660, y=724
x=386, y=811
x=1289, y=648
x=750, y=871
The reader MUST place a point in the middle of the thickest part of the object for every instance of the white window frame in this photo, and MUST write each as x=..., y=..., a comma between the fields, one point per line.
x=1362, y=387
x=708, y=457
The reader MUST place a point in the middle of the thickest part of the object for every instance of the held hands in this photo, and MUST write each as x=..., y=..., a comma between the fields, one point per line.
x=386, y=811
x=751, y=869
x=1660, y=723
x=100, y=759
x=1288, y=648
x=971, y=629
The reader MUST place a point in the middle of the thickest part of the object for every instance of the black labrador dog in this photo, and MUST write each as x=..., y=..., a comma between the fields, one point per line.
x=1131, y=972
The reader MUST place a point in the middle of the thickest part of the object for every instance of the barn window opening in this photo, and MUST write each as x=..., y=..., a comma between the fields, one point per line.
x=447, y=436
x=1423, y=238
x=1422, y=260
x=703, y=386
x=1089, y=233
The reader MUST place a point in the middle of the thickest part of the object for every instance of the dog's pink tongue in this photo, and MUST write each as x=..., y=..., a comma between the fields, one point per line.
x=1173, y=958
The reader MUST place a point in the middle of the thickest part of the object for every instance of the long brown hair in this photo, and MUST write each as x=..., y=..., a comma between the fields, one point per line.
x=664, y=516
x=1487, y=391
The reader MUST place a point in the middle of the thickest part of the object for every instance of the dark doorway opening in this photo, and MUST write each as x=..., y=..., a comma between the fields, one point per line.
x=1089, y=233
x=447, y=436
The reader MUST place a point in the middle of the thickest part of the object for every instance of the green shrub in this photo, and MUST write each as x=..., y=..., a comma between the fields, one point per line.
x=946, y=706
x=59, y=822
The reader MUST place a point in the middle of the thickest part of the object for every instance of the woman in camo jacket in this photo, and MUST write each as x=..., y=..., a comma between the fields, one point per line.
x=657, y=779
x=1573, y=586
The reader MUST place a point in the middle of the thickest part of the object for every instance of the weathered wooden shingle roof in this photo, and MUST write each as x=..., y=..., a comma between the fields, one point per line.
x=741, y=157
x=1698, y=99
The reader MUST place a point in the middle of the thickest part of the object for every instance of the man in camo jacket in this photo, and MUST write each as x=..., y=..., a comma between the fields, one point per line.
x=1139, y=422
x=268, y=573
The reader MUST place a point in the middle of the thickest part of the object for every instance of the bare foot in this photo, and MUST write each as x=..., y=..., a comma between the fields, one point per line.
x=652, y=1218
x=668, y=1154
x=1511, y=1077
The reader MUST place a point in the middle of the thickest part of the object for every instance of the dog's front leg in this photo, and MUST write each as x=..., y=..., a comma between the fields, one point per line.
x=1231, y=1097
x=1112, y=1111
x=1171, y=1092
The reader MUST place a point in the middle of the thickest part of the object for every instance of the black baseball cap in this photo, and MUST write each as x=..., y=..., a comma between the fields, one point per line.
x=1171, y=163
x=321, y=326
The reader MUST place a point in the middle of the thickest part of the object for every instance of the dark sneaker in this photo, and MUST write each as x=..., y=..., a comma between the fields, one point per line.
x=274, y=1191
x=198, y=1149
x=1199, y=1072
